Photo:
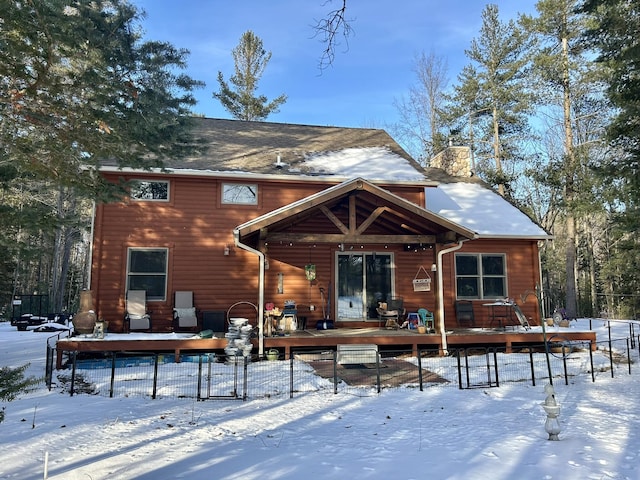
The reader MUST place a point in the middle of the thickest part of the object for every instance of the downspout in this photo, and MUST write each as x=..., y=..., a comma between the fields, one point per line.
x=238, y=243
x=443, y=332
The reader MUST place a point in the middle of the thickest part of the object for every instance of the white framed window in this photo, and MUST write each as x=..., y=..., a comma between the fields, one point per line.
x=147, y=270
x=239, y=193
x=481, y=275
x=150, y=190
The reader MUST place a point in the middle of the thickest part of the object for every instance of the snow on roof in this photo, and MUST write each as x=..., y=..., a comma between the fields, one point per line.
x=481, y=210
x=372, y=163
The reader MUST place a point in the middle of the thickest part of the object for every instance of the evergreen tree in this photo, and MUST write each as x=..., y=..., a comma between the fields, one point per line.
x=615, y=35
x=13, y=383
x=493, y=88
x=567, y=83
x=250, y=60
x=79, y=87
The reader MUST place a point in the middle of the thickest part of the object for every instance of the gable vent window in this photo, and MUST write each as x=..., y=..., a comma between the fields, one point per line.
x=480, y=276
x=147, y=190
x=239, y=194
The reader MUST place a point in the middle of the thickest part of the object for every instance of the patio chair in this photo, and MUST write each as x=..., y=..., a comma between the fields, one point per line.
x=521, y=317
x=184, y=312
x=464, y=313
x=427, y=319
x=391, y=312
x=136, y=316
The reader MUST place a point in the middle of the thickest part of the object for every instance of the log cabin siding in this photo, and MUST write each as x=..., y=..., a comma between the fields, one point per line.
x=195, y=226
x=522, y=274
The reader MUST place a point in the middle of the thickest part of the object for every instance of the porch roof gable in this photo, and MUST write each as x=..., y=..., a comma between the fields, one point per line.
x=353, y=211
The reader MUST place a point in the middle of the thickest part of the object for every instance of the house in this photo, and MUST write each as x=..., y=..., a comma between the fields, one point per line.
x=333, y=219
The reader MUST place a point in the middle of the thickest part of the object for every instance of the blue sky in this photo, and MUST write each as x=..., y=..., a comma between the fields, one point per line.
x=376, y=67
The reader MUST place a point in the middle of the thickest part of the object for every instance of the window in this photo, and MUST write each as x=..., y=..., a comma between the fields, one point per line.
x=147, y=270
x=481, y=275
x=150, y=190
x=239, y=193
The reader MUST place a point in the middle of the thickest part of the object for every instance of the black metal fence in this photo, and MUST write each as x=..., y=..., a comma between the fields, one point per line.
x=213, y=376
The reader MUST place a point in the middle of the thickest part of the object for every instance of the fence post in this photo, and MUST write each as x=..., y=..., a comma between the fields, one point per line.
x=290, y=375
x=155, y=376
x=610, y=347
x=113, y=373
x=335, y=372
x=199, y=386
x=459, y=369
x=593, y=374
x=533, y=370
x=378, y=370
x=629, y=356
x=495, y=363
x=420, y=369
x=73, y=372
x=245, y=381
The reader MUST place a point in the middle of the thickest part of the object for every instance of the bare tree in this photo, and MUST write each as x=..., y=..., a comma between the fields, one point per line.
x=421, y=122
x=328, y=28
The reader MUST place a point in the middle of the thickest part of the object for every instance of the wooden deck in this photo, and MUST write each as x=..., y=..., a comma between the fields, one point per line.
x=510, y=340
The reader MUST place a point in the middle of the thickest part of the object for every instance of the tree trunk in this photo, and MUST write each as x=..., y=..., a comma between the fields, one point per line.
x=570, y=194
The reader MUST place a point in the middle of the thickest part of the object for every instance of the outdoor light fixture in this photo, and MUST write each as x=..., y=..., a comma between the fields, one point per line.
x=226, y=250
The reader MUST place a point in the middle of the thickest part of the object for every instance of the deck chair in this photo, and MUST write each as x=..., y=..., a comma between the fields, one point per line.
x=391, y=312
x=184, y=313
x=464, y=313
x=521, y=317
x=426, y=317
x=136, y=316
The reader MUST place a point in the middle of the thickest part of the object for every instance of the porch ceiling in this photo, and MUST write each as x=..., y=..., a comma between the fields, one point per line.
x=355, y=212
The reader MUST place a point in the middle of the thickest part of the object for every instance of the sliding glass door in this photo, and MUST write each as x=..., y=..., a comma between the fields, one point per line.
x=364, y=279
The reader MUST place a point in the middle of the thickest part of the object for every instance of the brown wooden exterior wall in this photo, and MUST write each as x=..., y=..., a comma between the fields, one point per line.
x=195, y=227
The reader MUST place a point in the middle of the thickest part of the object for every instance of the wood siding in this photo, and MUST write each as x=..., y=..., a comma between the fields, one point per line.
x=195, y=227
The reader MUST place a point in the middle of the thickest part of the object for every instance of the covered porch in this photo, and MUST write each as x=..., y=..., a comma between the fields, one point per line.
x=358, y=244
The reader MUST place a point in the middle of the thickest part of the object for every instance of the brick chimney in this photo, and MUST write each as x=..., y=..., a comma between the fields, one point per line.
x=456, y=161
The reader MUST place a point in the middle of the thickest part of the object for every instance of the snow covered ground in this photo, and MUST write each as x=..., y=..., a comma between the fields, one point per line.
x=402, y=433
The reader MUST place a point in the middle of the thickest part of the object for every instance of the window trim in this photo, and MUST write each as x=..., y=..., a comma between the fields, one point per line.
x=481, y=276
x=146, y=180
x=237, y=185
x=165, y=274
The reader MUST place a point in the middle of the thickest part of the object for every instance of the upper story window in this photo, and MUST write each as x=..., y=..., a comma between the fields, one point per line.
x=239, y=194
x=150, y=190
x=481, y=275
x=147, y=270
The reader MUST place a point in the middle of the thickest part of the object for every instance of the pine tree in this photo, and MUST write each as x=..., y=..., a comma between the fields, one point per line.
x=78, y=87
x=250, y=60
x=13, y=383
x=569, y=84
x=493, y=87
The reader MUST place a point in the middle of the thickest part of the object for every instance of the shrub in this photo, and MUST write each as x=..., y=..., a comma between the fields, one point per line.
x=13, y=383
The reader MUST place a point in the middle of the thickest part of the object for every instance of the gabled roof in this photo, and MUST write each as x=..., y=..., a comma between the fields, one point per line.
x=353, y=211
x=478, y=208
x=266, y=148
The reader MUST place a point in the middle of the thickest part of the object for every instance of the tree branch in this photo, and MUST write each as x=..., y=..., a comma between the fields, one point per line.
x=329, y=27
